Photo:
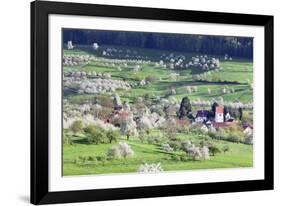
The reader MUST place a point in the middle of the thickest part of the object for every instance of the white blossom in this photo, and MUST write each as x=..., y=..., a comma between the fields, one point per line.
x=150, y=168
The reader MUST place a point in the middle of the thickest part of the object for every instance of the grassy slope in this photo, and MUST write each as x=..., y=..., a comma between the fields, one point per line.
x=239, y=156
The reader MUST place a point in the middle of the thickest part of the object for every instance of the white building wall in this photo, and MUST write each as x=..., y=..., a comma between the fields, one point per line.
x=219, y=117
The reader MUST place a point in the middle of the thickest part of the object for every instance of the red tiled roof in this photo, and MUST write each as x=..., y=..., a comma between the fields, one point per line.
x=219, y=109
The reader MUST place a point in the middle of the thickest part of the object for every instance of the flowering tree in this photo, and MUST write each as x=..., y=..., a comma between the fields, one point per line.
x=95, y=46
x=121, y=150
x=150, y=168
x=128, y=126
x=125, y=149
x=76, y=126
x=205, y=153
x=117, y=102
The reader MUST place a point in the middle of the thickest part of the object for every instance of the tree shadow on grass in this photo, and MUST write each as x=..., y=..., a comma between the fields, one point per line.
x=81, y=141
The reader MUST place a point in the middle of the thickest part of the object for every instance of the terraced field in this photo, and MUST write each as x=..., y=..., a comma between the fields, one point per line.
x=238, y=70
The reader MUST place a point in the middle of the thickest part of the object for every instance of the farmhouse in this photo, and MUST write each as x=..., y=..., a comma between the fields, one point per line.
x=216, y=118
x=201, y=116
x=219, y=114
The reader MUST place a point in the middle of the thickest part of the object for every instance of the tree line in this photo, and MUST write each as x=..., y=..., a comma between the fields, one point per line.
x=204, y=44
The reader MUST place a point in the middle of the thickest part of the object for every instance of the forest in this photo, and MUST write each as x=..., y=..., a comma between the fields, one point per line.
x=209, y=44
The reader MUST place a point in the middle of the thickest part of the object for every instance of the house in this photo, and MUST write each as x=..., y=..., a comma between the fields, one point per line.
x=219, y=115
x=248, y=131
x=228, y=117
x=201, y=116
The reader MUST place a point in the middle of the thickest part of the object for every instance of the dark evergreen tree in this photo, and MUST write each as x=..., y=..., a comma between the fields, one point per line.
x=185, y=109
x=213, y=110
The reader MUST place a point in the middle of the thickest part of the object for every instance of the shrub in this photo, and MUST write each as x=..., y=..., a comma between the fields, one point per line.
x=120, y=150
x=247, y=118
x=67, y=140
x=105, y=101
x=102, y=113
x=233, y=133
x=76, y=126
x=90, y=158
x=151, y=79
x=95, y=135
x=196, y=128
x=175, y=158
x=176, y=145
x=150, y=168
x=112, y=135
x=155, y=139
x=150, y=140
x=193, y=151
x=205, y=143
x=214, y=150
x=184, y=158
x=185, y=144
x=236, y=136
x=183, y=125
x=205, y=153
x=101, y=159
x=170, y=128
x=142, y=138
x=125, y=149
x=80, y=160
x=213, y=135
x=147, y=97
x=249, y=139
x=167, y=148
x=114, y=152
x=225, y=148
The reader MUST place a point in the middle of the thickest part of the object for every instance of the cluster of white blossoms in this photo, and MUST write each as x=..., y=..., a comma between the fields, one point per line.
x=142, y=82
x=164, y=103
x=227, y=57
x=128, y=126
x=148, y=120
x=226, y=89
x=73, y=60
x=84, y=74
x=123, y=53
x=174, y=76
x=122, y=149
x=167, y=148
x=204, y=62
x=180, y=61
x=172, y=61
x=96, y=86
x=234, y=105
x=196, y=153
x=115, y=63
x=89, y=120
x=150, y=168
x=191, y=89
